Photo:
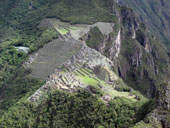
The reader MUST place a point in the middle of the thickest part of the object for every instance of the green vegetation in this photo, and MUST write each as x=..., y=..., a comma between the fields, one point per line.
x=63, y=27
x=89, y=78
x=62, y=31
x=16, y=86
x=168, y=118
x=45, y=37
x=143, y=125
x=15, y=81
x=95, y=38
x=81, y=109
x=74, y=28
x=80, y=11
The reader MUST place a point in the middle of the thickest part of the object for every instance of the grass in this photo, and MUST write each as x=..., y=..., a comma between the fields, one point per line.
x=86, y=70
x=142, y=124
x=89, y=81
x=115, y=93
x=63, y=28
x=86, y=79
x=87, y=76
x=74, y=28
x=95, y=81
x=62, y=31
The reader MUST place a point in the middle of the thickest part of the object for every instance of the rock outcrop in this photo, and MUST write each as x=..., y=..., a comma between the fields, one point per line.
x=163, y=95
x=160, y=116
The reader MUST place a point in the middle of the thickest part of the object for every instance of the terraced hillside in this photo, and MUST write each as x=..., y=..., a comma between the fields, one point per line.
x=108, y=88
x=69, y=64
x=57, y=52
x=53, y=55
x=71, y=80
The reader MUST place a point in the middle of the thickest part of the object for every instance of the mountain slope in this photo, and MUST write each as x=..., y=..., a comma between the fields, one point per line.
x=95, y=84
x=155, y=14
x=137, y=56
x=20, y=28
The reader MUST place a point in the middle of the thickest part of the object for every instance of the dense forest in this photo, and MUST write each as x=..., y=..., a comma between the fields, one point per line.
x=81, y=109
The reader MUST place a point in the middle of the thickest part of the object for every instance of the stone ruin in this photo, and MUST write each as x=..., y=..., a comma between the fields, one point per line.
x=88, y=57
x=63, y=81
x=106, y=98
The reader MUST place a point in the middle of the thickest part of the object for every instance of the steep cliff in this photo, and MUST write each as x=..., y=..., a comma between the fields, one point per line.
x=139, y=59
x=143, y=59
x=160, y=116
x=155, y=14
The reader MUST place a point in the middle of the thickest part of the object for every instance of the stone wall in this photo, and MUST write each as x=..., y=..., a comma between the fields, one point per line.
x=63, y=81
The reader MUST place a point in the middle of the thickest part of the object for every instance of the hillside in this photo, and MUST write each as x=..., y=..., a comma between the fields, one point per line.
x=76, y=63
x=155, y=14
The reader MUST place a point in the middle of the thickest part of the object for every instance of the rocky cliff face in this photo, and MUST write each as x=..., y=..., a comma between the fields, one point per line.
x=160, y=116
x=155, y=14
x=143, y=54
x=137, y=56
x=163, y=96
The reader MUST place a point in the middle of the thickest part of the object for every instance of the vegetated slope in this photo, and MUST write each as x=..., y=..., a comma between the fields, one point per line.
x=19, y=27
x=124, y=47
x=81, y=109
x=17, y=15
x=155, y=14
